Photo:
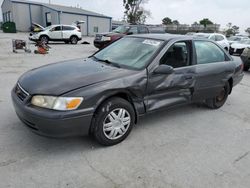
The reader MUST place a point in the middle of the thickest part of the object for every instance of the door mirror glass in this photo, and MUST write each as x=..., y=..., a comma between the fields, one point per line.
x=164, y=69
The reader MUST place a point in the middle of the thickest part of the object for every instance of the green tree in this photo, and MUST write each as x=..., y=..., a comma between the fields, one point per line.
x=166, y=21
x=206, y=22
x=175, y=22
x=134, y=11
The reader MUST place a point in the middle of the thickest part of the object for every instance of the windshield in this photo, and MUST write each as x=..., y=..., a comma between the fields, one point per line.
x=234, y=38
x=130, y=52
x=48, y=28
x=245, y=42
x=121, y=29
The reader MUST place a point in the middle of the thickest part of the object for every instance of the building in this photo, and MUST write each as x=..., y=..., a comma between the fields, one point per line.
x=24, y=13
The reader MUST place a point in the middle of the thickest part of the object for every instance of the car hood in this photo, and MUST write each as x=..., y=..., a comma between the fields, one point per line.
x=110, y=34
x=59, y=78
x=240, y=46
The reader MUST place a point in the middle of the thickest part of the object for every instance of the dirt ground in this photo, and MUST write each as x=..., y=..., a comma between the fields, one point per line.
x=187, y=147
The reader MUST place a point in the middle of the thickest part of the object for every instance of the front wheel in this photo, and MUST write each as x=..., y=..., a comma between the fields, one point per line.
x=113, y=121
x=220, y=99
x=44, y=39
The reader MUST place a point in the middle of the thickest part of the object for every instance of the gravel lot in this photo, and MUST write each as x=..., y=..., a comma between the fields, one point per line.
x=187, y=147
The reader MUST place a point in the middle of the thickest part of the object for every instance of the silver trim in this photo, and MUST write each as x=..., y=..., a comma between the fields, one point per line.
x=23, y=90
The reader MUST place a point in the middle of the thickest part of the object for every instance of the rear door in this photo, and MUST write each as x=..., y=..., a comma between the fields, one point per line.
x=176, y=88
x=67, y=31
x=56, y=33
x=212, y=69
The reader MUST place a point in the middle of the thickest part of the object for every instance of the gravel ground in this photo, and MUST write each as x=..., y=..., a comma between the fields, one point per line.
x=187, y=147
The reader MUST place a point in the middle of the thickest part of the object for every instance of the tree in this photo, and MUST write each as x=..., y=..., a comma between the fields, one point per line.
x=175, y=22
x=232, y=29
x=206, y=22
x=235, y=29
x=134, y=11
x=166, y=21
x=248, y=31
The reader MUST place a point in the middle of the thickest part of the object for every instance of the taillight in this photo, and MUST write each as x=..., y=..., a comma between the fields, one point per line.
x=242, y=67
x=79, y=30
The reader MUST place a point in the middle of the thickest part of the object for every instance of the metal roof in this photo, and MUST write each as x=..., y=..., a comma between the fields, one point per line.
x=63, y=9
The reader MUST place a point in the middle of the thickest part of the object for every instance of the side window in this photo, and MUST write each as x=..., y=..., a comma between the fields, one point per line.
x=178, y=55
x=208, y=52
x=68, y=28
x=57, y=28
x=212, y=37
x=143, y=30
x=134, y=30
x=219, y=38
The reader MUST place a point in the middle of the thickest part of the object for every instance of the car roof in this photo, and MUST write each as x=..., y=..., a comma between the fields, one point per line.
x=165, y=37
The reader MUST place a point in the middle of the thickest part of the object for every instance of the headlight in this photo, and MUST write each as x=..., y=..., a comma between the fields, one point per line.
x=57, y=103
x=106, y=38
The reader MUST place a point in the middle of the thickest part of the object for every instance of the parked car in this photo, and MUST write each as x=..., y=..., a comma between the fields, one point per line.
x=219, y=38
x=238, y=47
x=245, y=56
x=67, y=33
x=105, y=94
x=236, y=39
x=104, y=39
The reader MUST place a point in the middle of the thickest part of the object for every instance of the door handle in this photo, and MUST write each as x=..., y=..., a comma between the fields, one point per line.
x=189, y=77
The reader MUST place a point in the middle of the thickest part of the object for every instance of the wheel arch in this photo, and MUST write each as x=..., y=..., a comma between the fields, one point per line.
x=44, y=35
x=230, y=81
x=121, y=94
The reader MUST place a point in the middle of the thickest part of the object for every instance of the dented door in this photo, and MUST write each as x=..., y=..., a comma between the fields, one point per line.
x=169, y=90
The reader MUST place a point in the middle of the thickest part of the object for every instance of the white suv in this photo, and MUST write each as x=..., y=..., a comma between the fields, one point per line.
x=67, y=33
x=219, y=38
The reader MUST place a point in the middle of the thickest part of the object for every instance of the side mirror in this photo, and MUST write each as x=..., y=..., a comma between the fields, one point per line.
x=130, y=33
x=164, y=69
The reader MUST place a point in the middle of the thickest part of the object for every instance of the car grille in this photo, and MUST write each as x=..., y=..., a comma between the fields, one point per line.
x=21, y=93
x=98, y=37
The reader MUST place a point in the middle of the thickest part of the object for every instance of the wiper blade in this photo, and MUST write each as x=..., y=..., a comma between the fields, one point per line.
x=108, y=62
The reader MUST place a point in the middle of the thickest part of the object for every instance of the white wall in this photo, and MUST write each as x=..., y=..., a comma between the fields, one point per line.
x=36, y=14
x=21, y=16
x=7, y=7
x=103, y=25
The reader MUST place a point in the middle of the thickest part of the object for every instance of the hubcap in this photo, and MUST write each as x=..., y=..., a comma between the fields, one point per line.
x=116, y=123
x=74, y=40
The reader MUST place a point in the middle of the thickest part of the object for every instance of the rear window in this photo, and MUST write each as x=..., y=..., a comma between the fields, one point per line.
x=68, y=28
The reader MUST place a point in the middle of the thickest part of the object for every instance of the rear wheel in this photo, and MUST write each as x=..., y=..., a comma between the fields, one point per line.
x=113, y=121
x=220, y=99
x=73, y=40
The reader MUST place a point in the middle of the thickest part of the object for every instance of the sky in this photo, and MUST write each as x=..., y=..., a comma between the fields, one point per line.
x=185, y=11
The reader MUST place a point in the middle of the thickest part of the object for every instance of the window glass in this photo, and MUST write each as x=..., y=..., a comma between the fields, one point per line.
x=68, y=28
x=219, y=38
x=133, y=30
x=57, y=28
x=212, y=37
x=176, y=56
x=96, y=29
x=143, y=30
x=208, y=52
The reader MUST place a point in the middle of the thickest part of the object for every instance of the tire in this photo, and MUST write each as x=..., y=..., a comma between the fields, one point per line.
x=218, y=101
x=246, y=67
x=73, y=40
x=113, y=121
x=44, y=39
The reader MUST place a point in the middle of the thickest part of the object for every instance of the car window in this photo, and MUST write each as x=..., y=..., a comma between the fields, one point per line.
x=143, y=30
x=208, y=52
x=177, y=55
x=57, y=28
x=68, y=28
x=133, y=53
x=212, y=37
x=134, y=30
x=219, y=38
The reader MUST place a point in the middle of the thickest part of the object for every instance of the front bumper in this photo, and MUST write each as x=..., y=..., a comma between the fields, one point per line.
x=52, y=123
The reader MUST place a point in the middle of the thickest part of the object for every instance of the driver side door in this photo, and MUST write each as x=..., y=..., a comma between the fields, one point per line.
x=56, y=33
x=166, y=90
